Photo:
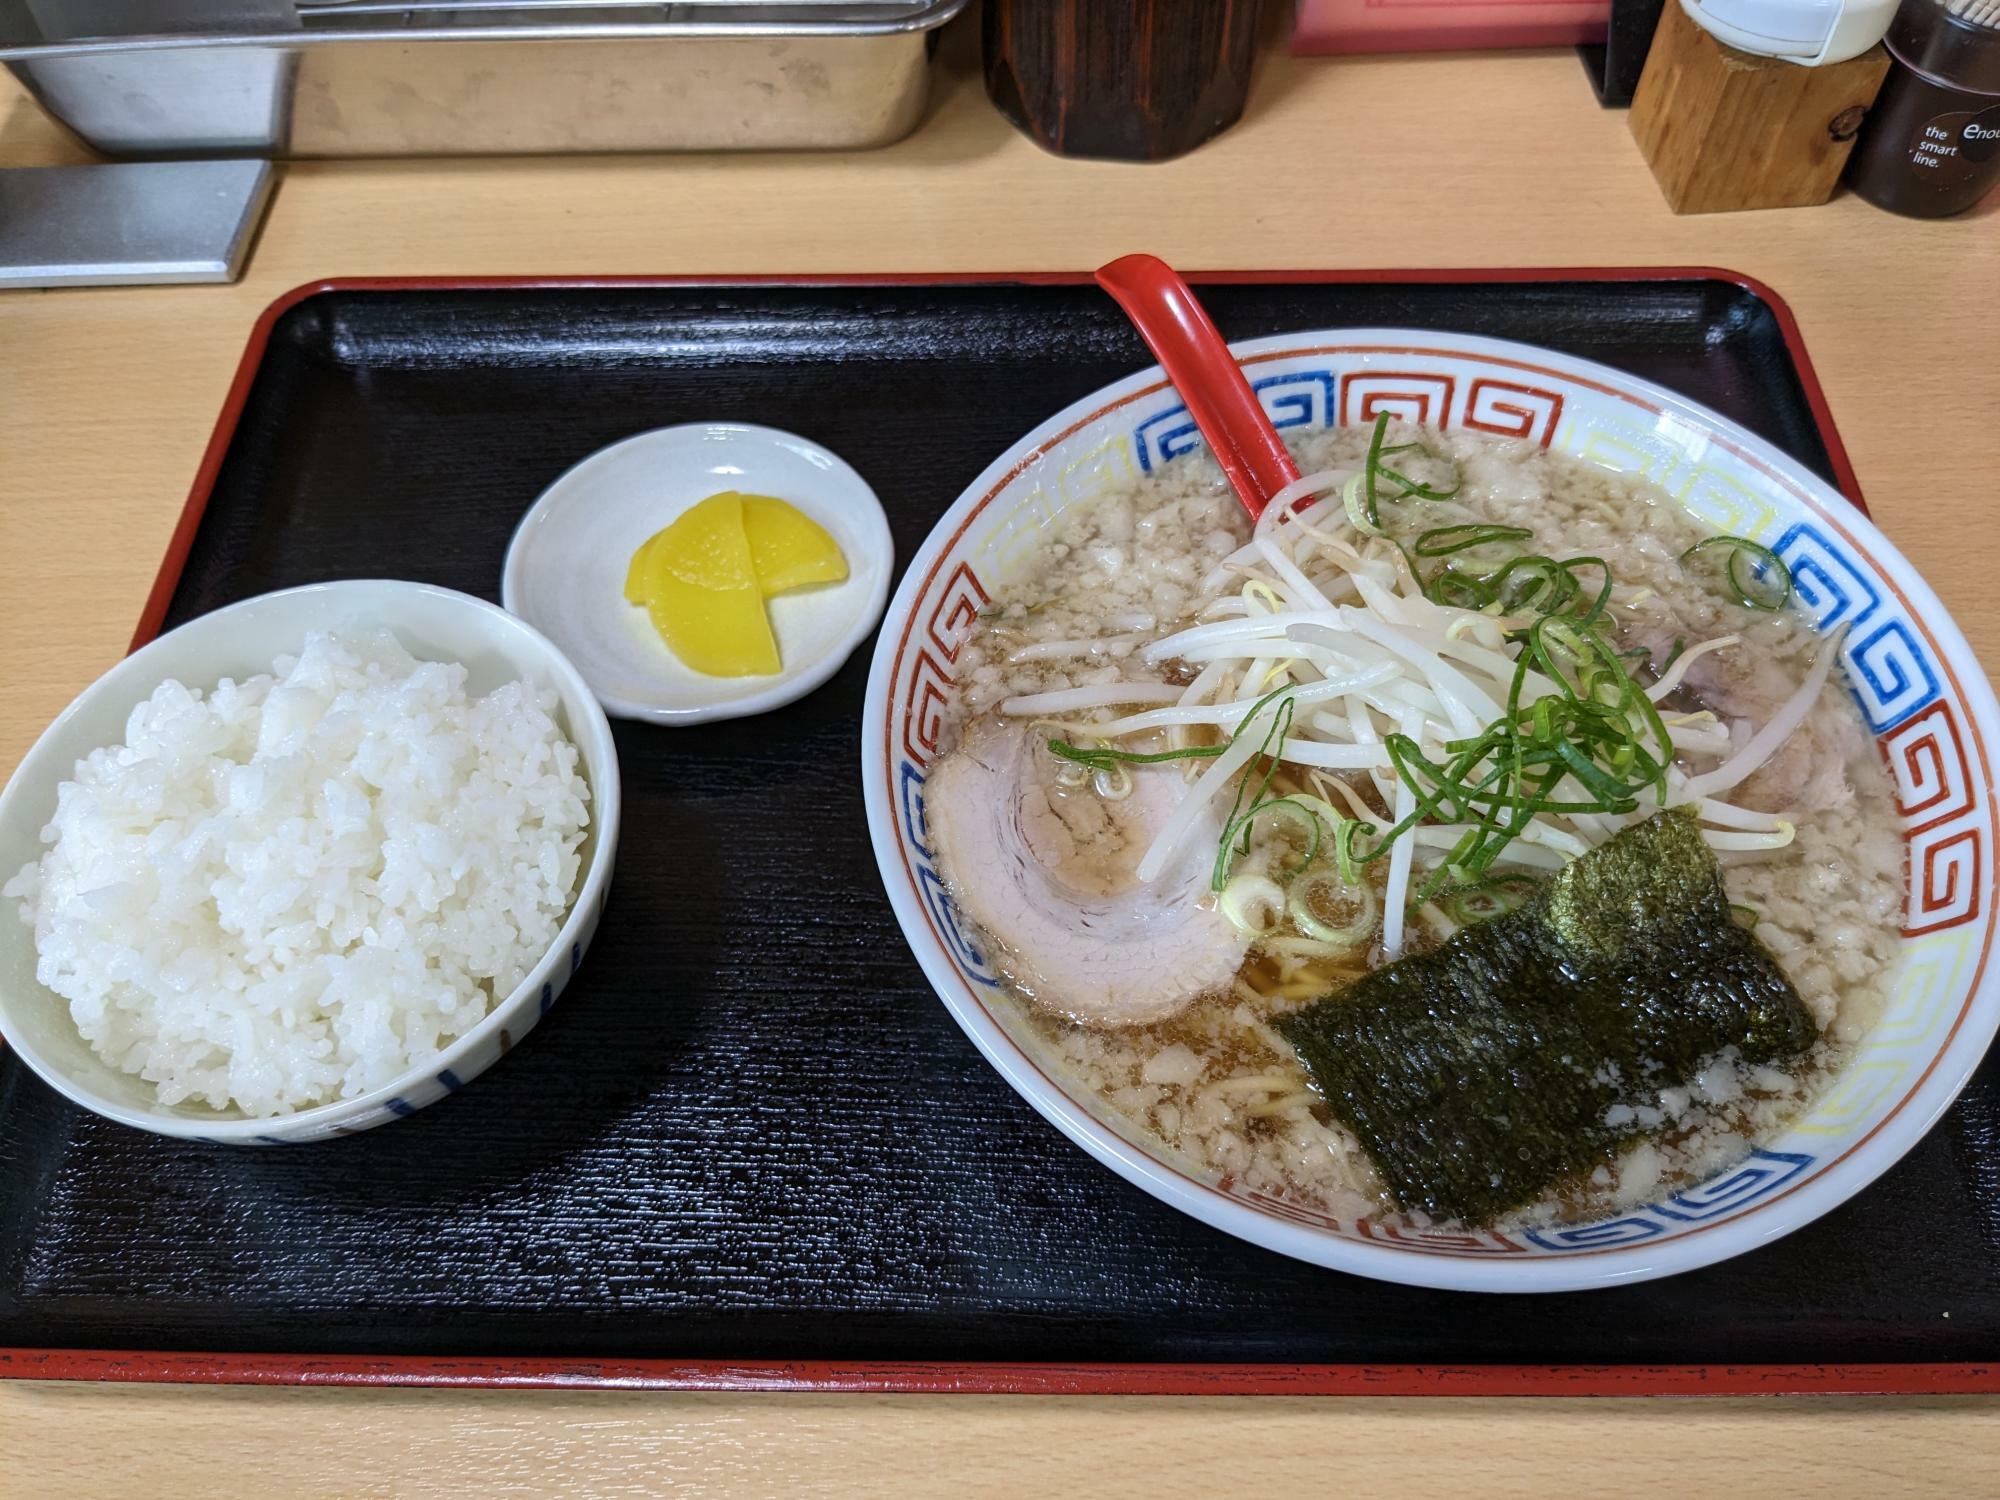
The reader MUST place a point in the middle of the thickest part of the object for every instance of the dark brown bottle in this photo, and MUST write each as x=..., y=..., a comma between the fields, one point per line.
x=1132, y=80
x=1931, y=143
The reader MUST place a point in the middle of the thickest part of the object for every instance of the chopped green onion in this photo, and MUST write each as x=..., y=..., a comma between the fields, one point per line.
x=1104, y=757
x=1113, y=783
x=1450, y=587
x=1374, y=471
x=1360, y=508
x=1762, y=582
x=1370, y=469
x=1595, y=744
x=1528, y=584
x=1466, y=904
x=1239, y=822
x=1289, y=809
x=1414, y=489
x=1247, y=894
x=1443, y=541
x=1360, y=896
x=1598, y=730
x=1344, y=858
x=1603, y=599
x=1533, y=583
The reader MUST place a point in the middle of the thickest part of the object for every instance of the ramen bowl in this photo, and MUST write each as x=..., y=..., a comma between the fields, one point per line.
x=1919, y=690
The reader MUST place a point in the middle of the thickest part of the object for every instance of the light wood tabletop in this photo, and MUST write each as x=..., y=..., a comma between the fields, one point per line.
x=1464, y=160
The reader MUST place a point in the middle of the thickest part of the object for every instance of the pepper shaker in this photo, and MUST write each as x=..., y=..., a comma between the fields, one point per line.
x=1931, y=145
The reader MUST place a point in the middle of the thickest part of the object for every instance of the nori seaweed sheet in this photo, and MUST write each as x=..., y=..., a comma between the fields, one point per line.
x=1478, y=1075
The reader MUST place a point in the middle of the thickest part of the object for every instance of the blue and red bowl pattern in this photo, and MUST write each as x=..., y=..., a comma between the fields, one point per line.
x=1912, y=701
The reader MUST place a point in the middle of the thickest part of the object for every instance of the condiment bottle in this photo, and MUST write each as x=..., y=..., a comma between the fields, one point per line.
x=1132, y=80
x=1931, y=144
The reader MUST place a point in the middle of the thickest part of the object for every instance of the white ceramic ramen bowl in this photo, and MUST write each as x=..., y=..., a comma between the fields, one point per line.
x=1921, y=692
x=434, y=624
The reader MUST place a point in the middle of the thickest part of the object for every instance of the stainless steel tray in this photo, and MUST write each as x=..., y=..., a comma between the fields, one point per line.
x=145, y=78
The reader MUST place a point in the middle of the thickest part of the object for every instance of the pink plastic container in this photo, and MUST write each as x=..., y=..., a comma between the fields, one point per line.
x=1434, y=25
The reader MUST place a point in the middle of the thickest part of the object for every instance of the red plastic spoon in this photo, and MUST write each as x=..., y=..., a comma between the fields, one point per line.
x=1164, y=310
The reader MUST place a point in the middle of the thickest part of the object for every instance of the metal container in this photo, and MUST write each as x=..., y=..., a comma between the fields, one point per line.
x=143, y=78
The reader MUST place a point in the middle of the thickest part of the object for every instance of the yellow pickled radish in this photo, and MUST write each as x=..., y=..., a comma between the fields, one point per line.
x=704, y=579
x=700, y=589
x=637, y=587
x=789, y=548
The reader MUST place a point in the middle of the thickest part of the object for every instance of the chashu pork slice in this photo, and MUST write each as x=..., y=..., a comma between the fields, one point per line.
x=1047, y=873
x=1809, y=772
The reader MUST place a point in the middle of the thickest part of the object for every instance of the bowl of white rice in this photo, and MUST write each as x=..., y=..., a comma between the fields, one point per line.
x=304, y=865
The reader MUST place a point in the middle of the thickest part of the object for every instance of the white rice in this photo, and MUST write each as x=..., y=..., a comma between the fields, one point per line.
x=290, y=890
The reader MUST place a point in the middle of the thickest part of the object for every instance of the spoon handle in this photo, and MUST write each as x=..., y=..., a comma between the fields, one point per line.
x=1164, y=310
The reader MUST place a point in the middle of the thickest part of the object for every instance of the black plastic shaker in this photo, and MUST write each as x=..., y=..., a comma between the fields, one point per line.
x=1931, y=143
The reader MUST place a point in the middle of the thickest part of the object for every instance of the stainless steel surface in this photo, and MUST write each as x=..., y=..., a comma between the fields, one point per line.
x=478, y=77
x=129, y=222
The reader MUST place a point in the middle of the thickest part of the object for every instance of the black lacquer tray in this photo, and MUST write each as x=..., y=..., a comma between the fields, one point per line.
x=749, y=1147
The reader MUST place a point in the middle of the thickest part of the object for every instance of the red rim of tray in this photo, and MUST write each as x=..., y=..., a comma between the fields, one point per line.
x=936, y=1378
x=919, y=1378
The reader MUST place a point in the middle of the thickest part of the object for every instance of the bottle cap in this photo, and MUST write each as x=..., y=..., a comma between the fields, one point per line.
x=1810, y=32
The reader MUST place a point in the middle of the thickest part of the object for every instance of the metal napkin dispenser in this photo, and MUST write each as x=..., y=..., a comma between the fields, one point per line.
x=320, y=78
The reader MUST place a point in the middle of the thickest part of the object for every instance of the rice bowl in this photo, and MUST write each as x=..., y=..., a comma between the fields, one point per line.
x=438, y=962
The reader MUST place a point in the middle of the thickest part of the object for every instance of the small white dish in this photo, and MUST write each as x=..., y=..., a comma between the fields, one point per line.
x=238, y=641
x=565, y=571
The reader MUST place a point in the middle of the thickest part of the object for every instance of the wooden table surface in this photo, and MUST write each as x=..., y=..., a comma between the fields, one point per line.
x=107, y=397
